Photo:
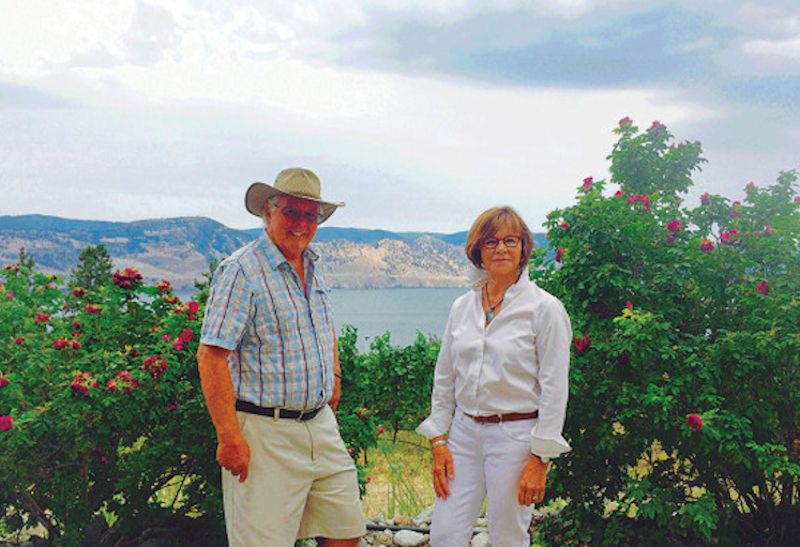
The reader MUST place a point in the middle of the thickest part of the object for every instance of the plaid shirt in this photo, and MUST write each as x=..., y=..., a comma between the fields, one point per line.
x=281, y=339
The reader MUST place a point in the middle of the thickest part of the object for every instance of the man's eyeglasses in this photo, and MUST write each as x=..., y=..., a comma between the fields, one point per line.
x=510, y=242
x=309, y=216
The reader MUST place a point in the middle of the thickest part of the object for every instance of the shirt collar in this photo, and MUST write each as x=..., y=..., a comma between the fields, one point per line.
x=274, y=255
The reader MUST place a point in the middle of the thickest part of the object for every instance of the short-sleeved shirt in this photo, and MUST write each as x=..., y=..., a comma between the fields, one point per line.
x=281, y=337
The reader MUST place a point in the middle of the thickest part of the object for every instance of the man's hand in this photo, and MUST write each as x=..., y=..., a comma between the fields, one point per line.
x=442, y=469
x=234, y=455
x=532, y=481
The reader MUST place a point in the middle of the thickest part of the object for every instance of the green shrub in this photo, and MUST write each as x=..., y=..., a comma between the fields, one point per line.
x=684, y=413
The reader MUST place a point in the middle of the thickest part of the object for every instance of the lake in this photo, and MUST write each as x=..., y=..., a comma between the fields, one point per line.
x=403, y=312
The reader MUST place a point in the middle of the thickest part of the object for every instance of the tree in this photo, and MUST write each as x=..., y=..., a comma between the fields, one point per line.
x=93, y=269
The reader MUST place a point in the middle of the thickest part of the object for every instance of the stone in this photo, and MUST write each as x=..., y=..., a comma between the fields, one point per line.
x=481, y=540
x=425, y=517
x=404, y=521
x=408, y=538
x=383, y=538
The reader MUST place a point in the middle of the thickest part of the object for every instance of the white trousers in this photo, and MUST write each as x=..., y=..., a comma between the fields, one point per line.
x=487, y=461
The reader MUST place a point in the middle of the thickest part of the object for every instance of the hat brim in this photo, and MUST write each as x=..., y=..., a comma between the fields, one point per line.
x=255, y=200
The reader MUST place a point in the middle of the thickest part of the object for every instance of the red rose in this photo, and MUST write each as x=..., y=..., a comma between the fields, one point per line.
x=173, y=407
x=565, y=225
x=10, y=296
x=587, y=183
x=695, y=422
x=629, y=305
x=78, y=292
x=763, y=287
x=656, y=125
x=618, y=193
x=705, y=199
x=559, y=253
x=41, y=318
x=60, y=343
x=186, y=335
x=381, y=429
x=76, y=344
x=111, y=385
x=706, y=246
x=3, y=382
x=582, y=344
x=170, y=299
x=625, y=121
x=166, y=338
x=671, y=239
x=91, y=309
x=6, y=423
x=193, y=307
x=178, y=345
x=674, y=225
x=736, y=214
x=164, y=286
x=750, y=186
x=19, y=340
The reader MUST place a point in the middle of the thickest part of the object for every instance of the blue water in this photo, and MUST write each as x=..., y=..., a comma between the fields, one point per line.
x=402, y=312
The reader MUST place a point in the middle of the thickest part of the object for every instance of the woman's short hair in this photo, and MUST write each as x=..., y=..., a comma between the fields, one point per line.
x=486, y=226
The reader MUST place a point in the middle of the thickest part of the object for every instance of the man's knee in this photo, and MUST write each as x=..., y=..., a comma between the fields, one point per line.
x=331, y=542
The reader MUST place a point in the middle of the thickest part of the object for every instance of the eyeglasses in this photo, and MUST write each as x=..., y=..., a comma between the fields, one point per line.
x=309, y=216
x=510, y=242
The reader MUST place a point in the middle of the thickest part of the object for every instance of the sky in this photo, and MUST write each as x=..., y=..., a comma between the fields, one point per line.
x=418, y=114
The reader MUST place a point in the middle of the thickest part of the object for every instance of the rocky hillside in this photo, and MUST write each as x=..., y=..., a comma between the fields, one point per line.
x=179, y=249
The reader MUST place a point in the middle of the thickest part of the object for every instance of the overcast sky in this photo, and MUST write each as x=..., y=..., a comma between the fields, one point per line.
x=418, y=114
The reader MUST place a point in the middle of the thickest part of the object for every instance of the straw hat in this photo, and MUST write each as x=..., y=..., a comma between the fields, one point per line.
x=294, y=181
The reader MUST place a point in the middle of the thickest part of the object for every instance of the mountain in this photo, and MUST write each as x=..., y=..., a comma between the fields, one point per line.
x=179, y=249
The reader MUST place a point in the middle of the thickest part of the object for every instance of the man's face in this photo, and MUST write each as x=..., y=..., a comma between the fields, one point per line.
x=292, y=225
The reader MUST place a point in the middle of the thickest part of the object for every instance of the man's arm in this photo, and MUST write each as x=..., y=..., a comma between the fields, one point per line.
x=337, y=375
x=233, y=452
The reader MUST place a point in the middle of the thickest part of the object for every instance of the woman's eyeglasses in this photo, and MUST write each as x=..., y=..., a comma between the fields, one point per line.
x=510, y=242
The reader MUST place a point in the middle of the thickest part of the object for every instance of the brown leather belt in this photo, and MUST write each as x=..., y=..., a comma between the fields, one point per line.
x=500, y=418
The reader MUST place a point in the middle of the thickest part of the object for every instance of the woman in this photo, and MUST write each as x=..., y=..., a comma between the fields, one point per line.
x=499, y=391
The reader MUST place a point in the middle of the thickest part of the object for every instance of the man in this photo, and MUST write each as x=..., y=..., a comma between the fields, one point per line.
x=269, y=370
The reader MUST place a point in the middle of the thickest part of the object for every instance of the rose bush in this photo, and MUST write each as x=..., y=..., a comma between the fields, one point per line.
x=101, y=413
x=684, y=413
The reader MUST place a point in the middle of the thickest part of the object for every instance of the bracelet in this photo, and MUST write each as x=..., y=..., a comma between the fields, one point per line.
x=440, y=442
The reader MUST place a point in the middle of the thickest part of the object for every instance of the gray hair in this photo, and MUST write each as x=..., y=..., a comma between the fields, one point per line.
x=271, y=205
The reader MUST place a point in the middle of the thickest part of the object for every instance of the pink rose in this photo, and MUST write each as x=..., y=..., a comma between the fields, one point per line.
x=173, y=407
x=618, y=193
x=587, y=183
x=3, y=381
x=19, y=340
x=656, y=125
x=6, y=423
x=559, y=253
x=92, y=309
x=166, y=338
x=186, y=335
x=674, y=225
x=705, y=199
x=178, y=345
x=695, y=422
x=582, y=344
x=706, y=246
x=625, y=121
x=629, y=305
x=381, y=429
x=671, y=239
x=763, y=287
x=797, y=199
x=565, y=225
x=750, y=185
x=10, y=296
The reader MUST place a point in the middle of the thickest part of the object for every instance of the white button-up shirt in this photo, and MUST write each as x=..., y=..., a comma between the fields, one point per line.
x=517, y=363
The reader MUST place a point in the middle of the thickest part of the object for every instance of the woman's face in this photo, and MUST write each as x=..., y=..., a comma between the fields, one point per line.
x=502, y=260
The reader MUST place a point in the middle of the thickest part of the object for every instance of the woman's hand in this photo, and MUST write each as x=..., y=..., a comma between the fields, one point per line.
x=442, y=468
x=531, y=482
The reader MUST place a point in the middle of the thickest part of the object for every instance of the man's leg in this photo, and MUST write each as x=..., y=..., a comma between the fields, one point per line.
x=329, y=542
x=333, y=508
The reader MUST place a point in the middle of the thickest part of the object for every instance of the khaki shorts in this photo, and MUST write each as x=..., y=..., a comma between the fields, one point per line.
x=301, y=483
